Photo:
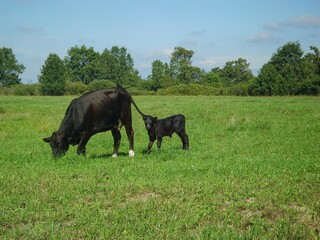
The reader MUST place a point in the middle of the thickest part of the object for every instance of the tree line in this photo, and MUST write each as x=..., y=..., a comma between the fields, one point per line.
x=289, y=72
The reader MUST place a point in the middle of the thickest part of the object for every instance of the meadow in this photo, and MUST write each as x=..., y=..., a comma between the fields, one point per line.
x=252, y=172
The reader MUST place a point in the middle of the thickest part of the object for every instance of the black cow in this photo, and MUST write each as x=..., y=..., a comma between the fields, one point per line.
x=94, y=112
x=158, y=128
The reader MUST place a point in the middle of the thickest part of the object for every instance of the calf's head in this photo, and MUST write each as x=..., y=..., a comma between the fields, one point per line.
x=58, y=143
x=149, y=121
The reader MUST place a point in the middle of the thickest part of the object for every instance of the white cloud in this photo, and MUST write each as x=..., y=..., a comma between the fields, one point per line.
x=273, y=26
x=313, y=36
x=188, y=42
x=167, y=52
x=29, y=28
x=208, y=62
x=162, y=53
x=305, y=21
x=198, y=32
x=261, y=37
x=145, y=66
x=143, y=60
x=302, y=21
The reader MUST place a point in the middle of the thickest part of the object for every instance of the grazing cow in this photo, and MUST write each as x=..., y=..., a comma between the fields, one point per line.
x=158, y=128
x=94, y=112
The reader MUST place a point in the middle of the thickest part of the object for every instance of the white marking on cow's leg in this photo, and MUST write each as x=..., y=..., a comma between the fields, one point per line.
x=114, y=155
x=131, y=153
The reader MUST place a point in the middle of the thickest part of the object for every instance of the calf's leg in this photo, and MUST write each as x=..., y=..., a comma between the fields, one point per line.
x=150, y=146
x=185, y=140
x=159, y=140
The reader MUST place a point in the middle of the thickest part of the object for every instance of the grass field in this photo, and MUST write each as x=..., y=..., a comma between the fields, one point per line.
x=252, y=172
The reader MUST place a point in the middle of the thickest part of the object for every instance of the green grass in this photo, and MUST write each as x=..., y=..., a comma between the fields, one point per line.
x=252, y=172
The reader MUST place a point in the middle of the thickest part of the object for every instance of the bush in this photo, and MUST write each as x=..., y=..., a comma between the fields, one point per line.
x=75, y=88
x=240, y=89
x=137, y=92
x=100, y=84
x=6, y=90
x=21, y=90
x=191, y=89
x=26, y=89
x=310, y=87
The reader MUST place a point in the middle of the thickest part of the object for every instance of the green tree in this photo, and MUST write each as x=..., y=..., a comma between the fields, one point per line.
x=212, y=78
x=106, y=66
x=268, y=83
x=10, y=69
x=117, y=66
x=181, y=69
x=123, y=71
x=289, y=54
x=53, y=76
x=316, y=58
x=191, y=74
x=287, y=61
x=310, y=69
x=160, y=76
x=82, y=63
x=235, y=72
x=289, y=73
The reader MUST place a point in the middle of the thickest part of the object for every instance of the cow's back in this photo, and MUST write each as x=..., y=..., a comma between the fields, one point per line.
x=97, y=110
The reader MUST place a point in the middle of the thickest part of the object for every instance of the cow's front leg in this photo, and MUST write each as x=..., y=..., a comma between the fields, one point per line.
x=159, y=140
x=117, y=139
x=81, y=150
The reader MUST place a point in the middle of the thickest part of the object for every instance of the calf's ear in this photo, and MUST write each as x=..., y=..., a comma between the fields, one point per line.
x=48, y=139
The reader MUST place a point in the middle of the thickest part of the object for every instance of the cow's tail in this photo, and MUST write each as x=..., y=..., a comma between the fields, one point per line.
x=135, y=105
x=125, y=92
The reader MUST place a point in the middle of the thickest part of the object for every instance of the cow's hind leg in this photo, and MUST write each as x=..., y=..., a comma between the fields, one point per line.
x=130, y=134
x=83, y=142
x=116, y=138
x=126, y=119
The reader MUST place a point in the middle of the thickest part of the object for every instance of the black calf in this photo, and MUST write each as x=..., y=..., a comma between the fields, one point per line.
x=158, y=128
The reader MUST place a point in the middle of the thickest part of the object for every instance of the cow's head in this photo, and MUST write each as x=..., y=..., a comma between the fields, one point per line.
x=59, y=144
x=149, y=121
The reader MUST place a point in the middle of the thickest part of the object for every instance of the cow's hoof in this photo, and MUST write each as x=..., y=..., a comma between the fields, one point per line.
x=114, y=155
x=131, y=153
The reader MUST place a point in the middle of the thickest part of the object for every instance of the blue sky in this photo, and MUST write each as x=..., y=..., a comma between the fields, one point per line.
x=217, y=31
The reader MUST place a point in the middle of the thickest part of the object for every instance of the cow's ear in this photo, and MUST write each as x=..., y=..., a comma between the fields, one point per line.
x=144, y=118
x=48, y=139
